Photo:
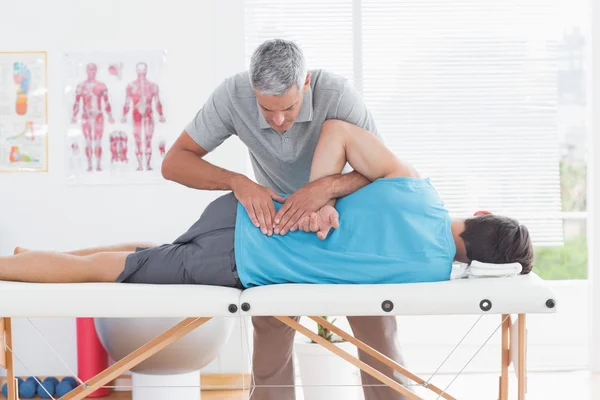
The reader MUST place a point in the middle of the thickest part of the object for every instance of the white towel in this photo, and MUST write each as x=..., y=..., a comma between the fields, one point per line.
x=479, y=269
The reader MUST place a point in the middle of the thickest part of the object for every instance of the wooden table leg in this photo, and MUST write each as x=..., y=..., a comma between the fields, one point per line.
x=522, y=373
x=505, y=357
x=350, y=358
x=8, y=358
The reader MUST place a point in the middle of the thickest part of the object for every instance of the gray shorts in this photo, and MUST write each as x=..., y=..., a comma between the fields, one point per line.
x=204, y=255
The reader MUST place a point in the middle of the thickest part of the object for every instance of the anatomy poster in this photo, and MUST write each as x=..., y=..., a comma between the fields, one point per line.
x=116, y=115
x=23, y=112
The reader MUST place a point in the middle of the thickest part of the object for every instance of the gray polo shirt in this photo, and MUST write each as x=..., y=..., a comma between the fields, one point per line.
x=281, y=161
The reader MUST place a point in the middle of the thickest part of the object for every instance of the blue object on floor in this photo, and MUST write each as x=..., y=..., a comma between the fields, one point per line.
x=70, y=379
x=63, y=388
x=52, y=379
x=35, y=382
x=49, y=385
x=27, y=389
x=5, y=387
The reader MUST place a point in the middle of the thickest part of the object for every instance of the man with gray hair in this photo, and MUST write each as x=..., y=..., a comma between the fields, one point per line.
x=277, y=109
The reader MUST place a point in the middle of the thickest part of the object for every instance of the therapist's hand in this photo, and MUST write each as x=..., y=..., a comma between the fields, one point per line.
x=258, y=202
x=320, y=222
x=306, y=200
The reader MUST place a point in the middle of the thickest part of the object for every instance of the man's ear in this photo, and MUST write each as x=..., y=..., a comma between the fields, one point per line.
x=481, y=212
x=307, y=81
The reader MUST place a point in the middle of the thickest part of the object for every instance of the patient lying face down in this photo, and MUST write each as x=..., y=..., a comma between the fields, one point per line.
x=394, y=229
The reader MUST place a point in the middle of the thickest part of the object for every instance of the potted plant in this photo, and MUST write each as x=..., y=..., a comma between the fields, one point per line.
x=325, y=375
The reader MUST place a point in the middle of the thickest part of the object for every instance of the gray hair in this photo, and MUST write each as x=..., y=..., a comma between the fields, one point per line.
x=275, y=66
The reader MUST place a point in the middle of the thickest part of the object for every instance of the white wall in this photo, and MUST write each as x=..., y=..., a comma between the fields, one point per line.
x=594, y=190
x=204, y=44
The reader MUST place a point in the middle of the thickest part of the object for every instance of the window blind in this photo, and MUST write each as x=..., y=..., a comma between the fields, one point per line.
x=323, y=29
x=466, y=90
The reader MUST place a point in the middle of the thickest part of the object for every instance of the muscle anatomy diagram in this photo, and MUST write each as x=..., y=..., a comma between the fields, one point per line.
x=140, y=95
x=133, y=147
x=93, y=95
x=118, y=147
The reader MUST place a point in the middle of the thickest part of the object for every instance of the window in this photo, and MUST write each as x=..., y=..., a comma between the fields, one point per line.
x=487, y=98
x=573, y=123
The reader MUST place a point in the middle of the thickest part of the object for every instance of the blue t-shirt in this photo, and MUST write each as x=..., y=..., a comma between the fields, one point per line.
x=393, y=230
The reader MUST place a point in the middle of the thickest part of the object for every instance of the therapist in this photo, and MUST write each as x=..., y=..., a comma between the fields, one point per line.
x=277, y=109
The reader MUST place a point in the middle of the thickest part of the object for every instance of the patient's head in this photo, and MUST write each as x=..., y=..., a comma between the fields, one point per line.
x=497, y=239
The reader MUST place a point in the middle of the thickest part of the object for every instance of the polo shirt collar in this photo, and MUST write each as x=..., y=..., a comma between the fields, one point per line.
x=305, y=114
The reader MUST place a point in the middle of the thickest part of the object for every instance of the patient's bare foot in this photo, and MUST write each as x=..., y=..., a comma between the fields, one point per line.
x=19, y=250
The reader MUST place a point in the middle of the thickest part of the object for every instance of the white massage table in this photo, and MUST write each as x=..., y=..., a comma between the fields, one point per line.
x=519, y=295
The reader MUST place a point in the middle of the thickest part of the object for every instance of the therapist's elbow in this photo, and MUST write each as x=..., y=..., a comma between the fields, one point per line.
x=168, y=167
x=183, y=156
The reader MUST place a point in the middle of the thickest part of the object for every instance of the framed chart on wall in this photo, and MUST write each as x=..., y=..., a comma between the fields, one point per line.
x=23, y=111
x=116, y=111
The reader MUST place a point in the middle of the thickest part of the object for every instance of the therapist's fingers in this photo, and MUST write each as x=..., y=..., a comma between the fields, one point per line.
x=279, y=215
x=283, y=212
x=288, y=218
x=252, y=214
x=269, y=212
x=294, y=218
x=260, y=215
x=277, y=197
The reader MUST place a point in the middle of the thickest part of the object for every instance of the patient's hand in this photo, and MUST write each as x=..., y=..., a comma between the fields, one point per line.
x=321, y=221
x=304, y=201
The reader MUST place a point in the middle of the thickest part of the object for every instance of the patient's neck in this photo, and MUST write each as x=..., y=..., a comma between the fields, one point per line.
x=458, y=226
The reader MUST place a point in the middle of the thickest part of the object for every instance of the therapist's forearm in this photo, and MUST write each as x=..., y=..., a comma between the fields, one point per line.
x=186, y=168
x=327, y=166
x=341, y=185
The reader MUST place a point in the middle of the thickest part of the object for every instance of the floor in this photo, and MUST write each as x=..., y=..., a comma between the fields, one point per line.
x=577, y=385
x=206, y=395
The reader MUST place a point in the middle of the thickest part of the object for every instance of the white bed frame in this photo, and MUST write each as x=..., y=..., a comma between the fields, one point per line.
x=505, y=297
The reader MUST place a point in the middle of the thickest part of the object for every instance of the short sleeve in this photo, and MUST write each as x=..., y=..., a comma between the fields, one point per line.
x=213, y=124
x=351, y=108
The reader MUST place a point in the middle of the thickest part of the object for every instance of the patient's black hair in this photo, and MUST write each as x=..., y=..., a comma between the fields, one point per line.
x=497, y=239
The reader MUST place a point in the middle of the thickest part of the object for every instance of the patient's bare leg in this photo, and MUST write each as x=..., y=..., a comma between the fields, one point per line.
x=54, y=267
x=94, y=250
